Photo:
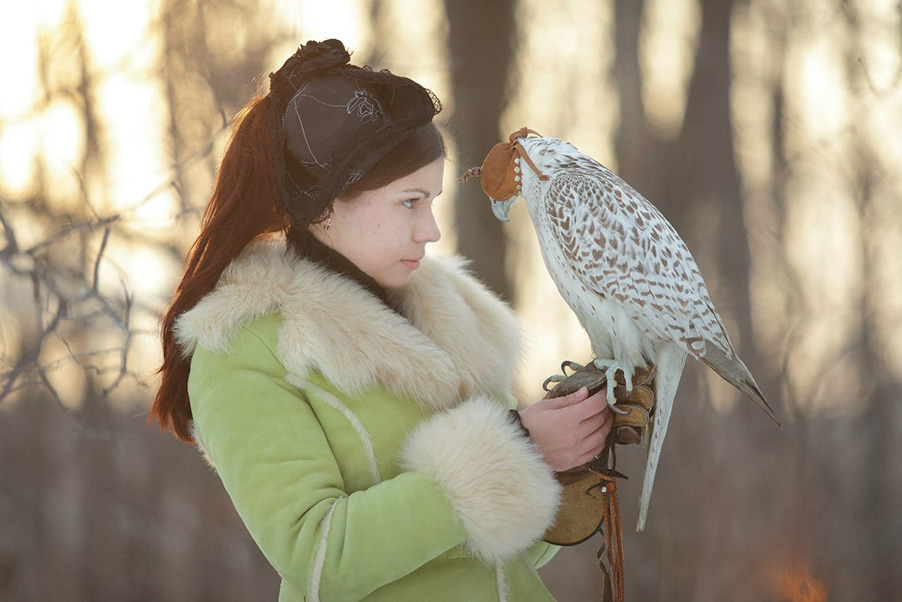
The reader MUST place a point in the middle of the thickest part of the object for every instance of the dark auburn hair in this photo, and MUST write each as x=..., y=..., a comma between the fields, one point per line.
x=423, y=146
x=243, y=206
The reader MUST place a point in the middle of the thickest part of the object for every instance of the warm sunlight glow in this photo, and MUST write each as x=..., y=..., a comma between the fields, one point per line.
x=318, y=20
x=17, y=33
x=62, y=149
x=136, y=112
x=18, y=146
x=667, y=52
x=821, y=85
x=566, y=93
x=116, y=30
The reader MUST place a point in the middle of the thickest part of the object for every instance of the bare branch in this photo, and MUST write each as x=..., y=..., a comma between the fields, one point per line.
x=31, y=358
x=12, y=246
x=99, y=258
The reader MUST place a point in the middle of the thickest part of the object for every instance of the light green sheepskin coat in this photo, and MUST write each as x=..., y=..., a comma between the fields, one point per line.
x=370, y=456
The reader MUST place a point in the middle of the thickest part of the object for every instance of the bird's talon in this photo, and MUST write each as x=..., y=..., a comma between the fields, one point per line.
x=617, y=410
x=572, y=365
x=554, y=378
x=610, y=368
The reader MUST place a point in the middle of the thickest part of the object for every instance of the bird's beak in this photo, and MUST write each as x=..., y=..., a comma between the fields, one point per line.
x=502, y=208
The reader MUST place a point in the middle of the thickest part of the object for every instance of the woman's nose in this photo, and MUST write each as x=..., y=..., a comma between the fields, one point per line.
x=427, y=229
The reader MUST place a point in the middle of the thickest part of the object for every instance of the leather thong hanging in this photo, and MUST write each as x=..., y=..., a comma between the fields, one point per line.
x=589, y=501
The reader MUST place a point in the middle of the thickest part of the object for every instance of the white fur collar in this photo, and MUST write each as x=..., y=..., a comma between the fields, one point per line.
x=459, y=339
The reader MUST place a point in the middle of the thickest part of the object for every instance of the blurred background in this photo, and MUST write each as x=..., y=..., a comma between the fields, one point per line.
x=768, y=132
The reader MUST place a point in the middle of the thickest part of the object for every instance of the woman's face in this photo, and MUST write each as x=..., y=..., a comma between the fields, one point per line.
x=384, y=231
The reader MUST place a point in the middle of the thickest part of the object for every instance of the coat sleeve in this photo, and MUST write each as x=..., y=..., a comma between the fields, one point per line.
x=540, y=553
x=277, y=466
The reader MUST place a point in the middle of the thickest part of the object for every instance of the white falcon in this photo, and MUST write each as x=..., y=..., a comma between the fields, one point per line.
x=621, y=267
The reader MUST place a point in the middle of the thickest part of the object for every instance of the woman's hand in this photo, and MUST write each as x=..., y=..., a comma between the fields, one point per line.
x=569, y=430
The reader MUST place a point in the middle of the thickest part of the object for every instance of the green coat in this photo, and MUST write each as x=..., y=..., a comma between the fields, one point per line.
x=371, y=457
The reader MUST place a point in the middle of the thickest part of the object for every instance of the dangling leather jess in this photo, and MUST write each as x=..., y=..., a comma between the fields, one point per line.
x=610, y=555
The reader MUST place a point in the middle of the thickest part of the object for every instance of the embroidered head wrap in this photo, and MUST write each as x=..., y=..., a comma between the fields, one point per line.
x=333, y=121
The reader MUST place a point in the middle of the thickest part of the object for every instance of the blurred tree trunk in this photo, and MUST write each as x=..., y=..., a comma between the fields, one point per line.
x=631, y=131
x=879, y=545
x=172, y=66
x=480, y=40
x=713, y=177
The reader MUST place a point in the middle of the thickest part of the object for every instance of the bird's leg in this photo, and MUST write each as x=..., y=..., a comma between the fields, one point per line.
x=610, y=368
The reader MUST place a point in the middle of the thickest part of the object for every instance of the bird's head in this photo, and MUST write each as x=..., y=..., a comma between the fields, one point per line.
x=501, y=173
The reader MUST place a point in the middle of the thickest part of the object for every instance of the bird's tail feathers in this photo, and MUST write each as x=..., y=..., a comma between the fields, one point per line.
x=734, y=371
x=668, y=369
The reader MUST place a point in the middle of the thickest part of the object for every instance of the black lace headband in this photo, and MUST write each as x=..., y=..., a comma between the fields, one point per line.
x=333, y=121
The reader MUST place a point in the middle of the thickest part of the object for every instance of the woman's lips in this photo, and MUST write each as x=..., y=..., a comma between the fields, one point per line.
x=411, y=263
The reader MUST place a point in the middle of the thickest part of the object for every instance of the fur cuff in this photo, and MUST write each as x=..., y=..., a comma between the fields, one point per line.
x=499, y=485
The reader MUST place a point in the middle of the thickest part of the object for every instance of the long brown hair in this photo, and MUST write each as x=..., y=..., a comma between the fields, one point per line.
x=242, y=207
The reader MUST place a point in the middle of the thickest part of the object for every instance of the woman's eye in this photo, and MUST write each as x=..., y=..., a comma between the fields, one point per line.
x=409, y=203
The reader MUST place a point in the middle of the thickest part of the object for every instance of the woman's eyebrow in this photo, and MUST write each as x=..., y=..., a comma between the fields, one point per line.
x=420, y=191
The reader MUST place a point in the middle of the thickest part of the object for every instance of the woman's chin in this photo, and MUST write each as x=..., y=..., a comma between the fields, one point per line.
x=396, y=280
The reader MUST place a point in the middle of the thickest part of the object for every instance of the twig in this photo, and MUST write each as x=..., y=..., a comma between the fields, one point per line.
x=12, y=246
x=99, y=258
x=32, y=357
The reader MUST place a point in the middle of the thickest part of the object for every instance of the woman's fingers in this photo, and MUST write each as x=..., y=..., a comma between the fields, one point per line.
x=596, y=432
x=569, y=430
x=574, y=398
x=593, y=422
x=588, y=407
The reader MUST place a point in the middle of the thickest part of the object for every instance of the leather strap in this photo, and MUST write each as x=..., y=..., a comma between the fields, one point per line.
x=525, y=156
x=610, y=555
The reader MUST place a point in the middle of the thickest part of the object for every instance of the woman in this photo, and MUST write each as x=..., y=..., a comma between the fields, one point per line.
x=353, y=394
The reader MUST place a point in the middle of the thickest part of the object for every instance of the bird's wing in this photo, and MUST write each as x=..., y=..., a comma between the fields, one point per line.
x=622, y=248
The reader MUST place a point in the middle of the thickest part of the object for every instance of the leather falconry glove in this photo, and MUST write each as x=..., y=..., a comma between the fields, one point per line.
x=589, y=501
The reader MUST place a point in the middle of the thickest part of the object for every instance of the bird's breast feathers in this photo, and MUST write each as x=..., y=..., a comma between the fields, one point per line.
x=620, y=249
